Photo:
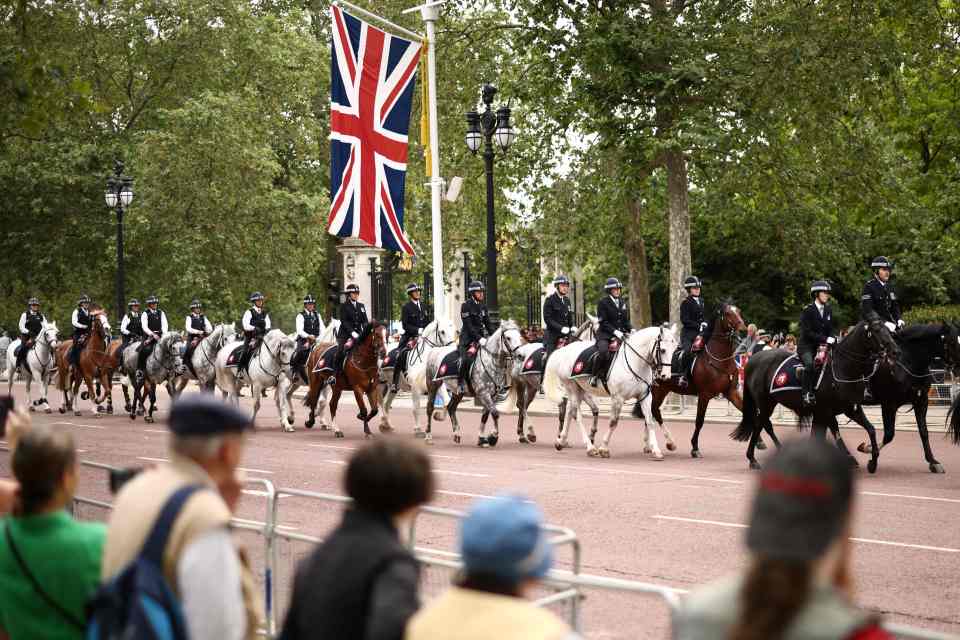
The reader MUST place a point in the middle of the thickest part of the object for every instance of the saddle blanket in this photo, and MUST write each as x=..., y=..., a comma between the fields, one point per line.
x=391, y=360
x=535, y=363
x=675, y=366
x=327, y=359
x=584, y=364
x=449, y=367
x=233, y=359
x=788, y=376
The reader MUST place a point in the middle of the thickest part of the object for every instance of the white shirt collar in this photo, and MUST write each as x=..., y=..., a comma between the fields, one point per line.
x=820, y=307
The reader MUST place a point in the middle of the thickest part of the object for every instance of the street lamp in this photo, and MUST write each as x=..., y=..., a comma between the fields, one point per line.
x=118, y=195
x=485, y=128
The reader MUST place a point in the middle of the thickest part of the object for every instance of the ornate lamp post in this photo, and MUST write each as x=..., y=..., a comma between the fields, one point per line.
x=119, y=194
x=485, y=128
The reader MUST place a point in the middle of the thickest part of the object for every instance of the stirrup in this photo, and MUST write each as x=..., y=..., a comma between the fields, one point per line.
x=331, y=380
x=809, y=399
x=594, y=380
x=683, y=383
x=394, y=387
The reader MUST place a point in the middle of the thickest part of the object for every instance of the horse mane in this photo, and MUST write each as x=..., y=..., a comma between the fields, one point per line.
x=507, y=325
x=922, y=332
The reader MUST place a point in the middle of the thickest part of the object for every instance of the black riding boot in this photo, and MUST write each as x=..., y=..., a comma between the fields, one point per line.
x=397, y=370
x=684, y=380
x=22, y=353
x=809, y=379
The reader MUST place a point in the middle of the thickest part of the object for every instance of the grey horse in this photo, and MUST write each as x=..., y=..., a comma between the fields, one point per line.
x=163, y=366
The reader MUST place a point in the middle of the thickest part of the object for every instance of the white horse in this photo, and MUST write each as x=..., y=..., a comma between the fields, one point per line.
x=269, y=367
x=41, y=363
x=204, y=359
x=642, y=361
x=439, y=333
x=4, y=343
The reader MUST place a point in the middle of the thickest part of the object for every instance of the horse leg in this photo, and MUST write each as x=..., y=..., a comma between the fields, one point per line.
x=481, y=439
x=415, y=407
x=616, y=405
x=153, y=403
x=920, y=411
x=702, y=401
x=455, y=400
x=856, y=414
x=561, y=414
x=494, y=437
x=595, y=411
x=431, y=396
x=521, y=405
x=576, y=413
x=531, y=394
x=282, y=400
x=334, y=401
x=835, y=432
x=386, y=402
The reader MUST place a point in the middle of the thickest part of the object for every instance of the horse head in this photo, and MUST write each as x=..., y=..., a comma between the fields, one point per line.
x=728, y=319
x=378, y=337
x=950, y=334
x=666, y=344
x=169, y=352
x=50, y=335
x=280, y=345
x=442, y=332
x=507, y=339
x=879, y=338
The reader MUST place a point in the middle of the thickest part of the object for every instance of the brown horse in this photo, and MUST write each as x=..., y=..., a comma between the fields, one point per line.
x=95, y=363
x=715, y=372
x=360, y=374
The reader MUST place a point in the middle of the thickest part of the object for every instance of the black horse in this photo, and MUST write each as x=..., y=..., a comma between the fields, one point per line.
x=953, y=421
x=853, y=361
x=908, y=382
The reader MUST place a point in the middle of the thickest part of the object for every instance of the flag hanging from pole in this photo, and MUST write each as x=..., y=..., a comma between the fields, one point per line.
x=372, y=83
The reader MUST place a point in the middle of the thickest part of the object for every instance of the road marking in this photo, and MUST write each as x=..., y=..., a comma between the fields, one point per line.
x=675, y=476
x=447, y=471
x=901, y=495
x=76, y=424
x=333, y=446
x=156, y=431
x=247, y=469
x=467, y=494
x=737, y=525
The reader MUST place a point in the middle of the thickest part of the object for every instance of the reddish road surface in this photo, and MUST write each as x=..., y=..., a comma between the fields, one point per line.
x=673, y=523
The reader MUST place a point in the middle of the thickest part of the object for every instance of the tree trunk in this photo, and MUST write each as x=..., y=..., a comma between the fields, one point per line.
x=679, y=222
x=636, y=249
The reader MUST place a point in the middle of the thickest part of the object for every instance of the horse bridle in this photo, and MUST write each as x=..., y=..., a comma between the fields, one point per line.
x=731, y=338
x=874, y=356
x=276, y=356
x=655, y=365
x=163, y=361
x=206, y=356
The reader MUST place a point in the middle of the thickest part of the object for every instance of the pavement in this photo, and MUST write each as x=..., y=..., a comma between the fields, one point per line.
x=677, y=523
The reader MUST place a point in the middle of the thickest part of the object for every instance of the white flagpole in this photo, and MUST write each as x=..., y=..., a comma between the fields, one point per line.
x=430, y=12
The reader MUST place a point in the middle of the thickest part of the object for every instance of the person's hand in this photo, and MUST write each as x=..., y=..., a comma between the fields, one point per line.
x=420, y=331
x=831, y=340
x=18, y=423
x=483, y=341
x=900, y=324
x=618, y=334
x=703, y=326
x=890, y=326
x=231, y=489
x=354, y=335
x=565, y=330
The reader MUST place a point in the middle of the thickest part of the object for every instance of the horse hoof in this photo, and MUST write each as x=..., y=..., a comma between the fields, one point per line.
x=558, y=445
x=646, y=449
x=863, y=447
x=84, y=395
x=148, y=420
x=133, y=416
x=324, y=427
x=428, y=439
x=368, y=436
x=755, y=466
x=385, y=428
x=593, y=452
x=62, y=410
x=48, y=410
x=761, y=445
x=696, y=454
x=309, y=423
x=110, y=411
x=32, y=408
x=493, y=440
x=373, y=414
x=288, y=428
x=338, y=434
x=100, y=409
x=936, y=467
x=532, y=438
x=361, y=417
x=481, y=441
x=523, y=440
x=139, y=412
x=419, y=434
x=604, y=452
x=671, y=446
x=872, y=466
x=126, y=408
x=78, y=413
x=657, y=457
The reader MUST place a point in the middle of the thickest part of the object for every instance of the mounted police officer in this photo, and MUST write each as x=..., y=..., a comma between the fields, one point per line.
x=414, y=318
x=309, y=326
x=475, y=330
x=354, y=323
x=255, y=324
x=31, y=324
x=130, y=327
x=693, y=321
x=816, y=328
x=879, y=296
x=198, y=327
x=614, y=317
x=80, y=319
x=557, y=316
x=153, y=322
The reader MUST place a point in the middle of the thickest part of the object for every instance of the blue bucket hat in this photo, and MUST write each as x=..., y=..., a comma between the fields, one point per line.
x=502, y=537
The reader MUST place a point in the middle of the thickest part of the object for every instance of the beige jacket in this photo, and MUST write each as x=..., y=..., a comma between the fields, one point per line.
x=476, y=615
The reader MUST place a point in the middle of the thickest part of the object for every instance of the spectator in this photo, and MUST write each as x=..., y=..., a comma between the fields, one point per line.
x=790, y=343
x=361, y=583
x=798, y=584
x=505, y=553
x=746, y=345
x=201, y=563
x=17, y=423
x=776, y=341
x=762, y=342
x=49, y=562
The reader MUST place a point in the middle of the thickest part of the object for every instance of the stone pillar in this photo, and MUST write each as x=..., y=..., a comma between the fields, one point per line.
x=356, y=267
x=579, y=304
x=456, y=286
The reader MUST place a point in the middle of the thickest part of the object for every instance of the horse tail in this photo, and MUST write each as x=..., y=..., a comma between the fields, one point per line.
x=748, y=418
x=552, y=386
x=953, y=417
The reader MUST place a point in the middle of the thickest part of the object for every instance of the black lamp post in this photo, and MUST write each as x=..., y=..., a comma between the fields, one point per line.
x=119, y=194
x=484, y=128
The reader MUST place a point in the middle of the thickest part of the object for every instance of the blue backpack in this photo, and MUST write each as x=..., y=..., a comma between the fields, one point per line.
x=138, y=603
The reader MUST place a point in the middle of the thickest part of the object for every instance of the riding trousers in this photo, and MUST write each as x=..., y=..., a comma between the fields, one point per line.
x=809, y=371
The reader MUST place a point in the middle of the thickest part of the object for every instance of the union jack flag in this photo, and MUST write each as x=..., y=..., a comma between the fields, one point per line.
x=372, y=82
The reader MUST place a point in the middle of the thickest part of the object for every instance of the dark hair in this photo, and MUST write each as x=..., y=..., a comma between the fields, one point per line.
x=773, y=594
x=42, y=456
x=389, y=476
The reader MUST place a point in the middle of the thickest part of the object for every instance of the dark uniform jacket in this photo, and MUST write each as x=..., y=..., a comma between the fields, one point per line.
x=83, y=317
x=881, y=298
x=155, y=320
x=414, y=317
x=311, y=322
x=815, y=328
x=691, y=317
x=258, y=320
x=34, y=323
x=198, y=322
x=135, y=331
x=353, y=318
x=476, y=322
x=613, y=314
x=557, y=314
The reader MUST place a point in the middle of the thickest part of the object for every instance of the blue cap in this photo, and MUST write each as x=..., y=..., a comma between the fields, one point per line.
x=201, y=414
x=501, y=537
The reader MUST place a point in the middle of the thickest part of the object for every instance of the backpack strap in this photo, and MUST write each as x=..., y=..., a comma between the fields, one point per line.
x=156, y=542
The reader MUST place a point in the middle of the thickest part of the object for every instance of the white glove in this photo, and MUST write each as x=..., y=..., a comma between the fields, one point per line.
x=703, y=326
x=420, y=331
x=618, y=334
x=483, y=341
x=354, y=335
x=890, y=326
x=831, y=340
x=565, y=330
x=900, y=323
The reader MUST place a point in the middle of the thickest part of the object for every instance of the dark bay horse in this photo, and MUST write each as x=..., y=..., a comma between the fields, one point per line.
x=360, y=374
x=908, y=381
x=715, y=372
x=853, y=362
x=953, y=421
x=95, y=362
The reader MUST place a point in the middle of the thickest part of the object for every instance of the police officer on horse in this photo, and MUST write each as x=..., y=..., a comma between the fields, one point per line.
x=878, y=295
x=153, y=323
x=354, y=323
x=80, y=319
x=816, y=332
x=31, y=324
x=255, y=323
x=414, y=319
x=557, y=316
x=475, y=330
x=693, y=321
x=130, y=327
x=308, y=329
x=614, y=317
x=198, y=327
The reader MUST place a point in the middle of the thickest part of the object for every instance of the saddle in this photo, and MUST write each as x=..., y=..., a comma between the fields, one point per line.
x=586, y=362
x=535, y=363
x=450, y=367
x=236, y=356
x=789, y=375
x=328, y=359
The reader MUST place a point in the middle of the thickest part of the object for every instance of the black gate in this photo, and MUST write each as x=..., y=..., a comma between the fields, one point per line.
x=381, y=285
x=428, y=300
x=533, y=306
